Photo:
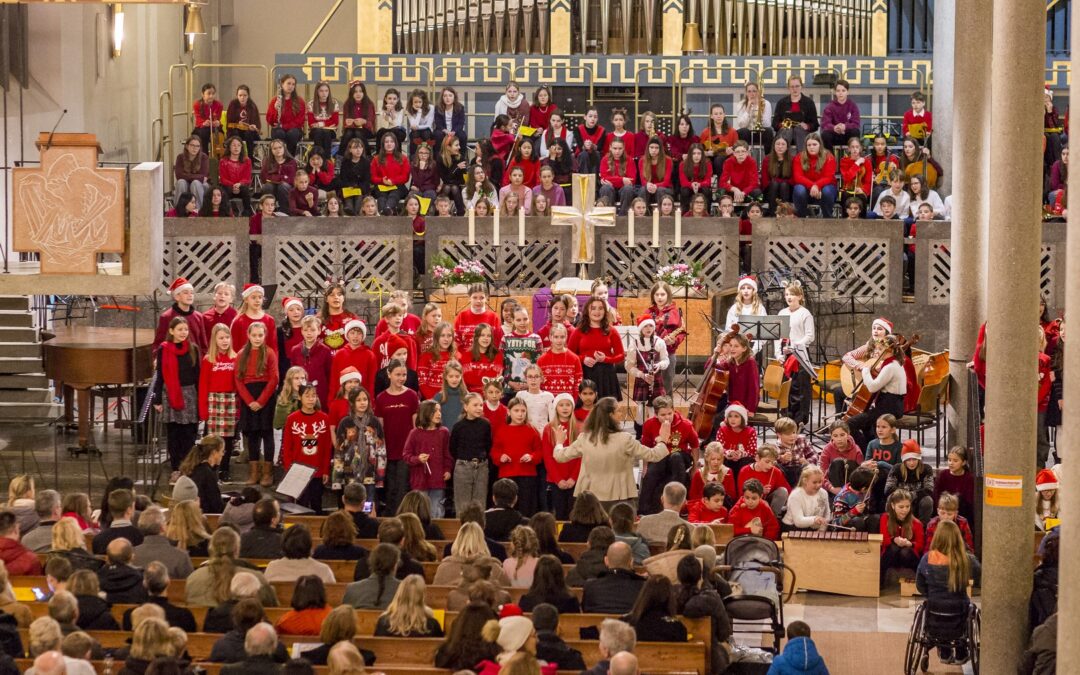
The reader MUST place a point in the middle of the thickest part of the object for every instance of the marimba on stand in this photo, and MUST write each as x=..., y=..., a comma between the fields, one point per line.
x=841, y=562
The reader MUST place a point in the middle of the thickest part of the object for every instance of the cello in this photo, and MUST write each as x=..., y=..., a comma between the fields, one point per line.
x=712, y=389
x=863, y=397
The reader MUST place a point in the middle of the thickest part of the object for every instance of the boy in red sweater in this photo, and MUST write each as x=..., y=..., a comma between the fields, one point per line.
x=673, y=467
x=710, y=508
x=740, y=177
x=356, y=354
x=475, y=314
x=183, y=293
x=775, y=485
x=410, y=323
x=393, y=317
x=314, y=357
x=918, y=122
x=309, y=440
x=751, y=515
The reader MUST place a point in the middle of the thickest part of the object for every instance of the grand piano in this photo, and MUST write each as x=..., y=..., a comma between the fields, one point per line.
x=82, y=357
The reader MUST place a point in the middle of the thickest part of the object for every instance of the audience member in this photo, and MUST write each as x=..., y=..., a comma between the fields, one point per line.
x=309, y=608
x=208, y=586
x=353, y=499
x=242, y=586
x=94, y=612
x=591, y=563
x=297, y=547
x=156, y=546
x=69, y=543
x=230, y=647
x=156, y=583
x=20, y=560
x=800, y=656
x=376, y=590
x=120, y=580
x=47, y=508
x=550, y=647
x=616, y=637
x=391, y=531
x=615, y=590
x=260, y=647
x=263, y=541
x=655, y=527
x=121, y=507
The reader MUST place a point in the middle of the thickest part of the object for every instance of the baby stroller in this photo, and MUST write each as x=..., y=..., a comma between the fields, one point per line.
x=947, y=627
x=755, y=569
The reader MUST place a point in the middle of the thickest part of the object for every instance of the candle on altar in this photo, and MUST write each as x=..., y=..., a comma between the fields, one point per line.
x=521, y=227
x=656, y=227
x=678, y=227
x=472, y=227
x=630, y=229
x=495, y=235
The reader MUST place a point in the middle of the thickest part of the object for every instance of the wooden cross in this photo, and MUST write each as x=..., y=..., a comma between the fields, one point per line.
x=584, y=219
x=68, y=210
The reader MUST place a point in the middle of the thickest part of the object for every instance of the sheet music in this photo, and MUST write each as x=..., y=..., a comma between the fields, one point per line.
x=297, y=478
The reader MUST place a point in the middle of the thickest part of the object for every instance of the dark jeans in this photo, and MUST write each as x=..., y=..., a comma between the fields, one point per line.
x=800, y=195
x=527, y=486
x=249, y=137
x=830, y=139
x=180, y=439
x=264, y=438
x=763, y=137
x=801, y=397
x=290, y=136
x=453, y=193
x=323, y=138
x=777, y=192
x=280, y=192
x=621, y=196
x=312, y=495
x=255, y=262
x=243, y=193
x=352, y=132
x=388, y=201
x=562, y=501
x=397, y=483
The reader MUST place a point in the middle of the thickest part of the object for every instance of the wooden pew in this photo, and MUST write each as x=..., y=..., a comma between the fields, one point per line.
x=215, y=669
x=682, y=656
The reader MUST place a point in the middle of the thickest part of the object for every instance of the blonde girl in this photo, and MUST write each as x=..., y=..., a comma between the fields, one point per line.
x=369, y=207
x=288, y=401
x=407, y=615
x=429, y=319
x=537, y=402
x=712, y=471
x=561, y=478
x=799, y=339
x=251, y=312
x=943, y=575
x=452, y=396
x=256, y=380
x=432, y=362
x=524, y=553
x=747, y=301
x=808, y=503
x=187, y=528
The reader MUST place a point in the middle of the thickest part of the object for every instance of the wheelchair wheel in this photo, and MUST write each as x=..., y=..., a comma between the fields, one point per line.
x=974, y=630
x=916, y=653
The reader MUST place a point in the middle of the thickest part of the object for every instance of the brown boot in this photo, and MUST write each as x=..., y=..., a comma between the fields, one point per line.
x=253, y=473
x=268, y=474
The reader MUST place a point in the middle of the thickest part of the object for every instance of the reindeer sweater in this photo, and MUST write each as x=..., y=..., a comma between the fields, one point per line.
x=307, y=440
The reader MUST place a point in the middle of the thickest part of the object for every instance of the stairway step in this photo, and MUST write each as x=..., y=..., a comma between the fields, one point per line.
x=23, y=381
x=27, y=350
x=20, y=365
x=26, y=395
x=13, y=302
x=29, y=411
x=21, y=319
x=18, y=334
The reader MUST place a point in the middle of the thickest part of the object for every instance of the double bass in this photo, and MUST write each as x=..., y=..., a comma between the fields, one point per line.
x=706, y=403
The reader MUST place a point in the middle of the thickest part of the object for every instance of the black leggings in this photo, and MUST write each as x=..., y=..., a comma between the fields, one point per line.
x=312, y=496
x=562, y=501
x=352, y=132
x=290, y=136
x=526, y=494
x=252, y=441
x=453, y=192
x=180, y=439
x=323, y=138
x=230, y=445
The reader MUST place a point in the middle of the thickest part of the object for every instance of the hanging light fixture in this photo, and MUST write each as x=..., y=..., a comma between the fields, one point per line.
x=193, y=23
x=116, y=23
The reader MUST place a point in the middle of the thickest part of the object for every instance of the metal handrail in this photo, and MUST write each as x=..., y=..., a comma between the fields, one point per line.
x=920, y=76
x=588, y=70
x=310, y=67
x=674, y=91
x=681, y=91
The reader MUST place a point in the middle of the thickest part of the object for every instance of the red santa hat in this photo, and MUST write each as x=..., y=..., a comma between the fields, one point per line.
x=1046, y=480
x=252, y=288
x=736, y=407
x=884, y=323
x=646, y=319
x=910, y=450
x=355, y=323
x=347, y=374
x=289, y=301
x=748, y=280
x=180, y=285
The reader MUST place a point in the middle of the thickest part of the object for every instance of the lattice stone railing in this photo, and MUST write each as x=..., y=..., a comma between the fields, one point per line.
x=538, y=264
x=635, y=268
x=205, y=252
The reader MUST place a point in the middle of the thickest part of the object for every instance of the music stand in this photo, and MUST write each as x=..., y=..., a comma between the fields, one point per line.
x=765, y=328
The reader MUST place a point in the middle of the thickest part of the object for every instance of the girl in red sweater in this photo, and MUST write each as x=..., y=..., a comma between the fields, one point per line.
x=287, y=113
x=256, y=380
x=427, y=452
x=856, y=175
x=217, y=392
x=655, y=172
x=320, y=171
x=251, y=312
x=742, y=373
x=390, y=173
x=776, y=170
x=483, y=361
x=738, y=439
x=902, y=535
x=561, y=478
x=740, y=176
x=323, y=117
x=718, y=137
x=618, y=176
x=334, y=316
x=356, y=354
x=525, y=157
x=695, y=175
x=587, y=397
x=429, y=368
x=560, y=366
x=234, y=172
x=678, y=143
x=713, y=470
x=309, y=440
x=772, y=479
x=288, y=333
x=494, y=410
x=599, y=347
x=177, y=390
x=469, y=318
x=813, y=178
x=517, y=451
x=542, y=109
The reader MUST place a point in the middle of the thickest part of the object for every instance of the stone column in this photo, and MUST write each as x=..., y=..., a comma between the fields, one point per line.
x=1012, y=305
x=948, y=42
x=969, y=100
x=1069, y=595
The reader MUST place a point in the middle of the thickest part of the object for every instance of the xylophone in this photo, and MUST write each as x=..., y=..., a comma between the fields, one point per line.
x=847, y=563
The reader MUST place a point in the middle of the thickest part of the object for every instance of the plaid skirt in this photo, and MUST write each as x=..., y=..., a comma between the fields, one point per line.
x=190, y=412
x=643, y=393
x=221, y=414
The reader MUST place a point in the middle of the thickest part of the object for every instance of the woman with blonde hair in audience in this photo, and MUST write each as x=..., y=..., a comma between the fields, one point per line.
x=309, y=608
x=416, y=501
x=21, y=502
x=77, y=505
x=94, y=612
x=209, y=585
x=469, y=547
x=524, y=552
x=345, y=659
x=69, y=542
x=8, y=605
x=149, y=641
x=340, y=626
x=415, y=544
x=678, y=547
x=524, y=663
x=512, y=634
x=408, y=615
x=338, y=539
x=467, y=644
x=187, y=529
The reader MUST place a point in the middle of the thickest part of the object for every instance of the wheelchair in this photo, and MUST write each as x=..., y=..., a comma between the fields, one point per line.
x=940, y=626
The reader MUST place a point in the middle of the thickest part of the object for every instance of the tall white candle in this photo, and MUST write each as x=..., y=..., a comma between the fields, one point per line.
x=678, y=226
x=495, y=234
x=630, y=229
x=472, y=227
x=521, y=227
x=656, y=227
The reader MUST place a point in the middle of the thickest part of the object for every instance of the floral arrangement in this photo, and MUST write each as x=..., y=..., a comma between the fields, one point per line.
x=682, y=275
x=445, y=272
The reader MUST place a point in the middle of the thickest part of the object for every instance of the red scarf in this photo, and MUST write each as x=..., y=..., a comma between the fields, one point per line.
x=170, y=371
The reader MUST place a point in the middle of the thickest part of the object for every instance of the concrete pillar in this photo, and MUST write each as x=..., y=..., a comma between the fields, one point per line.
x=1012, y=305
x=1069, y=595
x=948, y=41
x=968, y=99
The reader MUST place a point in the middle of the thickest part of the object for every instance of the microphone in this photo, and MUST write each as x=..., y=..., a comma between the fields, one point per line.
x=59, y=119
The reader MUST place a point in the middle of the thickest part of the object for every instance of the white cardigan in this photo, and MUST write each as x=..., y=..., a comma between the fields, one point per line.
x=802, y=329
x=802, y=508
